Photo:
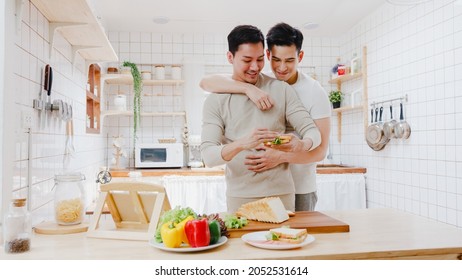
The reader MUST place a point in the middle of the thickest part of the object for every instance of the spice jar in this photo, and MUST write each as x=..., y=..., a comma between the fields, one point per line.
x=69, y=198
x=17, y=228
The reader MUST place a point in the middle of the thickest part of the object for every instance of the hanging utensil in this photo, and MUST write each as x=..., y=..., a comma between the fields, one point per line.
x=374, y=135
x=389, y=126
x=105, y=176
x=47, y=85
x=402, y=129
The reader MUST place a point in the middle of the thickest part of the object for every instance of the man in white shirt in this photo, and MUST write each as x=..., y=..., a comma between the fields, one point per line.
x=284, y=53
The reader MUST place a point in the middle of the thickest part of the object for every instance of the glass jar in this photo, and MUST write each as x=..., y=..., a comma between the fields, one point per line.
x=69, y=198
x=17, y=228
x=160, y=72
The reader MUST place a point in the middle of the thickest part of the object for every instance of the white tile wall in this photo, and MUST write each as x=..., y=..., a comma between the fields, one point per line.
x=414, y=51
x=45, y=158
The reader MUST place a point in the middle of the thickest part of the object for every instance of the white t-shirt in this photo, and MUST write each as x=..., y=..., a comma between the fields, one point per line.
x=314, y=98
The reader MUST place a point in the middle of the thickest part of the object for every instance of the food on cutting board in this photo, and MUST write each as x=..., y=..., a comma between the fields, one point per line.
x=287, y=235
x=181, y=227
x=268, y=209
x=282, y=139
x=232, y=221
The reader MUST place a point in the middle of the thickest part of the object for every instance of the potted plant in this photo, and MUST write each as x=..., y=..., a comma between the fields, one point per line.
x=335, y=97
x=137, y=88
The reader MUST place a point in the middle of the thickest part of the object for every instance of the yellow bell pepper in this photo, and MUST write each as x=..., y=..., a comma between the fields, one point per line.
x=180, y=227
x=171, y=235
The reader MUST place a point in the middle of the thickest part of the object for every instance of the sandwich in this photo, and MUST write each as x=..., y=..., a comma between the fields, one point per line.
x=288, y=235
x=282, y=139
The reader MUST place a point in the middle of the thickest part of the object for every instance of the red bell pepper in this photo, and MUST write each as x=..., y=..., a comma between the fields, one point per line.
x=198, y=233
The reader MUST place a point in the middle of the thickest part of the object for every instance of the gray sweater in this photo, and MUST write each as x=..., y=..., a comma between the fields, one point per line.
x=227, y=117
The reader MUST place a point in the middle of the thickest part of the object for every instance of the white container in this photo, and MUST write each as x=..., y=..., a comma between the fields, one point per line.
x=120, y=102
x=176, y=72
x=146, y=75
x=355, y=64
x=160, y=72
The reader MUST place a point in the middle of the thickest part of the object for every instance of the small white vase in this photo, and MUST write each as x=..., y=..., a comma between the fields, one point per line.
x=120, y=102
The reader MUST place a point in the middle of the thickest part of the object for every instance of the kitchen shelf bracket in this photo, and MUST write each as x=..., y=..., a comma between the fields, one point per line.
x=55, y=26
x=76, y=49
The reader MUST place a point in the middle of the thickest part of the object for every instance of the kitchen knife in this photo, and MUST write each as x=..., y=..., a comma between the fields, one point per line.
x=48, y=83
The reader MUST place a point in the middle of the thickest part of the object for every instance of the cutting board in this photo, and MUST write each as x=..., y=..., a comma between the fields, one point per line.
x=313, y=221
x=54, y=228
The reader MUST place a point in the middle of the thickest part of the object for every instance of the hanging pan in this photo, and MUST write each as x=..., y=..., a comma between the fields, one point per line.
x=375, y=137
x=402, y=129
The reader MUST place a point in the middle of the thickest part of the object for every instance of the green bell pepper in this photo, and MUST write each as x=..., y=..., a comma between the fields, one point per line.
x=215, y=231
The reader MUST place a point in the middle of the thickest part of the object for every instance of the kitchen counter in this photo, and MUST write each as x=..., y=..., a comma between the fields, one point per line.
x=185, y=171
x=374, y=234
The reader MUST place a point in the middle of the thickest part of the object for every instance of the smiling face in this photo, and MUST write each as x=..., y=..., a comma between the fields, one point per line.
x=284, y=62
x=248, y=61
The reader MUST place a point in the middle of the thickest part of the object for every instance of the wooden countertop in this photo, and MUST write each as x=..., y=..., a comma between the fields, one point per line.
x=374, y=234
x=185, y=171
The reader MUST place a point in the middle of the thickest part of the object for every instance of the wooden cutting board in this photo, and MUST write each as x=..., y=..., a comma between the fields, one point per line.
x=314, y=222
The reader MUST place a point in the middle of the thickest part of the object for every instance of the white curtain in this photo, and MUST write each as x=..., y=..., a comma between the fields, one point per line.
x=341, y=191
x=204, y=194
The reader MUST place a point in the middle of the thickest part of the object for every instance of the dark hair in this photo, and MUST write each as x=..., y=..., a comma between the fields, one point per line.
x=283, y=34
x=243, y=34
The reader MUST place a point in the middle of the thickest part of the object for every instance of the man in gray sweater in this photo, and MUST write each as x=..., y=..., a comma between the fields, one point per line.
x=233, y=127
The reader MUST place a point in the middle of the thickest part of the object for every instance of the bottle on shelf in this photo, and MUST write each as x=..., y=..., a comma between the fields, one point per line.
x=17, y=227
x=355, y=64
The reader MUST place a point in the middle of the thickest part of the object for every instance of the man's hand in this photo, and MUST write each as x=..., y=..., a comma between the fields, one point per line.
x=295, y=145
x=256, y=138
x=260, y=98
x=263, y=160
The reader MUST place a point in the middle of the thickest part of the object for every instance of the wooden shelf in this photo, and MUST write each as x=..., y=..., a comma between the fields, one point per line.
x=93, y=100
x=348, y=108
x=347, y=78
x=76, y=22
x=130, y=113
x=121, y=79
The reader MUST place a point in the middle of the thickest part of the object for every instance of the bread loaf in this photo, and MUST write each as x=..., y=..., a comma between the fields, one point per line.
x=268, y=209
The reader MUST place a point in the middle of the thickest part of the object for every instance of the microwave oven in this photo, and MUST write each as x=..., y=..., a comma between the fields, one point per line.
x=159, y=155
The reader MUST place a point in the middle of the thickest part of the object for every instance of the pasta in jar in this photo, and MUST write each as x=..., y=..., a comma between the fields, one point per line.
x=69, y=211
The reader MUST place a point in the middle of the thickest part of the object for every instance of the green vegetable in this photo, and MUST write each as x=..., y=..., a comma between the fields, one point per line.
x=272, y=236
x=277, y=141
x=232, y=221
x=215, y=231
x=175, y=215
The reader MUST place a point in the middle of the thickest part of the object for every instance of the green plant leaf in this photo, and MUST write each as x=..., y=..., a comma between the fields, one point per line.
x=137, y=88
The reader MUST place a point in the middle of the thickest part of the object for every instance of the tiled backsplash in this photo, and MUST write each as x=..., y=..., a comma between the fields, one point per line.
x=45, y=156
x=414, y=51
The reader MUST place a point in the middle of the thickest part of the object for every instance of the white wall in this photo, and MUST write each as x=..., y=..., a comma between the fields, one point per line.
x=415, y=51
x=25, y=61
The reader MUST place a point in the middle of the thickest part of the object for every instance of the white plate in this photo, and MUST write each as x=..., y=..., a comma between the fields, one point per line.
x=258, y=239
x=186, y=248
